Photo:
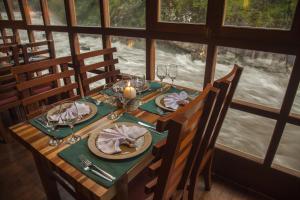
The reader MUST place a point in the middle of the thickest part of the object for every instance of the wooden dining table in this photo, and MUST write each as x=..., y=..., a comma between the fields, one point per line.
x=53, y=168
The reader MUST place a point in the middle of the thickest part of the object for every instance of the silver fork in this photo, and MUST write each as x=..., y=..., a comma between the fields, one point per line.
x=90, y=164
x=86, y=167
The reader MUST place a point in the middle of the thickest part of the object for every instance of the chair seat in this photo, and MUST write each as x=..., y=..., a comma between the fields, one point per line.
x=136, y=187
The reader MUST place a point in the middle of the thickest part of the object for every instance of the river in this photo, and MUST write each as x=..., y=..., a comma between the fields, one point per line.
x=242, y=131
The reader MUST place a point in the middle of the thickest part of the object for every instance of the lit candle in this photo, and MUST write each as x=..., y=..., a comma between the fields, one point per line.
x=129, y=92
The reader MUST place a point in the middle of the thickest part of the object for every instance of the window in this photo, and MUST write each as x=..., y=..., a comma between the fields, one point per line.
x=61, y=44
x=35, y=12
x=287, y=154
x=3, y=11
x=190, y=58
x=57, y=12
x=131, y=53
x=246, y=132
x=88, y=13
x=89, y=42
x=17, y=12
x=39, y=35
x=23, y=36
x=265, y=76
x=262, y=14
x=127, y=13
x=190, y=11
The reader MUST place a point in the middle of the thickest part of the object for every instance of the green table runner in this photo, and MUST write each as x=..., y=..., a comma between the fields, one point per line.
x=151, y=106
x=153, y=87
x=115, y=168
x=62, y=132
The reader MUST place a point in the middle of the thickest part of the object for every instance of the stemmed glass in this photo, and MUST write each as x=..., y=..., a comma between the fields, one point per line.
x=139, y=84
x=51, y=124
x=69, y=117
x=172, y=73
x=161, y=73
x=111, y=99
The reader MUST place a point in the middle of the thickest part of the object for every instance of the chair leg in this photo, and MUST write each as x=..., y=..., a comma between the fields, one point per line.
x=3, y=132
x=207, y=174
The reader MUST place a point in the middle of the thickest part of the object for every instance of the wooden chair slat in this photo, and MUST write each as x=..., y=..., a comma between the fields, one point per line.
x=154, y=167
x=158, y=148
x=41, y=65
x=150, y=186
x=45, y=51
x=44, y=79
x=36, y=44
x=49, y=93
x=83, y=56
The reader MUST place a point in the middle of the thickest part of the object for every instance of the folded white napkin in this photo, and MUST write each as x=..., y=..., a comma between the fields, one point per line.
x=109, y=140
x=174, y=100
x=69, y=113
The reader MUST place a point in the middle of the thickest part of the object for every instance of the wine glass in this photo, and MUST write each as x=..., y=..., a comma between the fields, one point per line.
x=51, y=124
x=161, y=73
x=139, y=84
x=69, y=117
x=172, y=73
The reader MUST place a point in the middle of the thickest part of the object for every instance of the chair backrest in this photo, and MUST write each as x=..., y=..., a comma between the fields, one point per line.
x=62, y=86
x=107, y=71
x=227, y=86
x=185, y=129
x=37, y=51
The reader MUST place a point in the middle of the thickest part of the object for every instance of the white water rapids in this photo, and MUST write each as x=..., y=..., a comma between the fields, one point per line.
x=242, y=131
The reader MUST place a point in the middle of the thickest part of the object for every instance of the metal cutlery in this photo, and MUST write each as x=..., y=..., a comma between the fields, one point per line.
x=94, y=101
x=90, y=164
x=161, y=111
x=153, y=129
x=86, y=167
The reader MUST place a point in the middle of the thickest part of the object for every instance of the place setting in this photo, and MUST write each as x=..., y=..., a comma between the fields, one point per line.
x=65, y=119
x=171, y=97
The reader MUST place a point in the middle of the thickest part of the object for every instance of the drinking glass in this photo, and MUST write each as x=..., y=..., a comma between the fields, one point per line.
x=71, y=120
x=139, y=84
x=172, y=73
x=161, y=72
x=51, y=124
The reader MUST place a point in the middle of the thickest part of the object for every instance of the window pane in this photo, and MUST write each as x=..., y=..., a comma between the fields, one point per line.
x=131, y=53
x=257, y=13
x=190, y=58
x=265, y=76
x=17, y=12
x=61, y=44
x=288, y=151
x=296, y=106
x=88, y=13
x=246, y=132
x=23, y=36
x=3, y=11
x=90, y=42
x=57, y=12
x=35, y=12
x=39, y=36
x=127, y=13
x=184, y=11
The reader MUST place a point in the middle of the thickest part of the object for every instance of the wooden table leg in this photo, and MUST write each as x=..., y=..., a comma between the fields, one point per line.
x=122, y=188
x=47, y=178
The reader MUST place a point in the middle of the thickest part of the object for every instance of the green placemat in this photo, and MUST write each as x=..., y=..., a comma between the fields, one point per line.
x=62, y=132
x=151, y=106
x=115, y=168
x=153, y=87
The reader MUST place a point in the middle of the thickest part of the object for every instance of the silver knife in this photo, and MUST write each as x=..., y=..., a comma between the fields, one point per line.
x=153, y=129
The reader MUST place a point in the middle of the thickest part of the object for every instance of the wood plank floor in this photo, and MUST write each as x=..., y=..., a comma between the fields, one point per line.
x=19, y=180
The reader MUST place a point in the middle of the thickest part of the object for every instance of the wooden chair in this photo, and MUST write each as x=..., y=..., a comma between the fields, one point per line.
x=9, y=54
x=175, y=155
x=203, y=164
x=32, y=100
x=32, y=52
x=107, y=71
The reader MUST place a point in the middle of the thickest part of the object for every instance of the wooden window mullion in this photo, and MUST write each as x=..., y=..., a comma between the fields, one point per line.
x=284, y=112
x=25, y=12
x=46, y=18
x=10, y=14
